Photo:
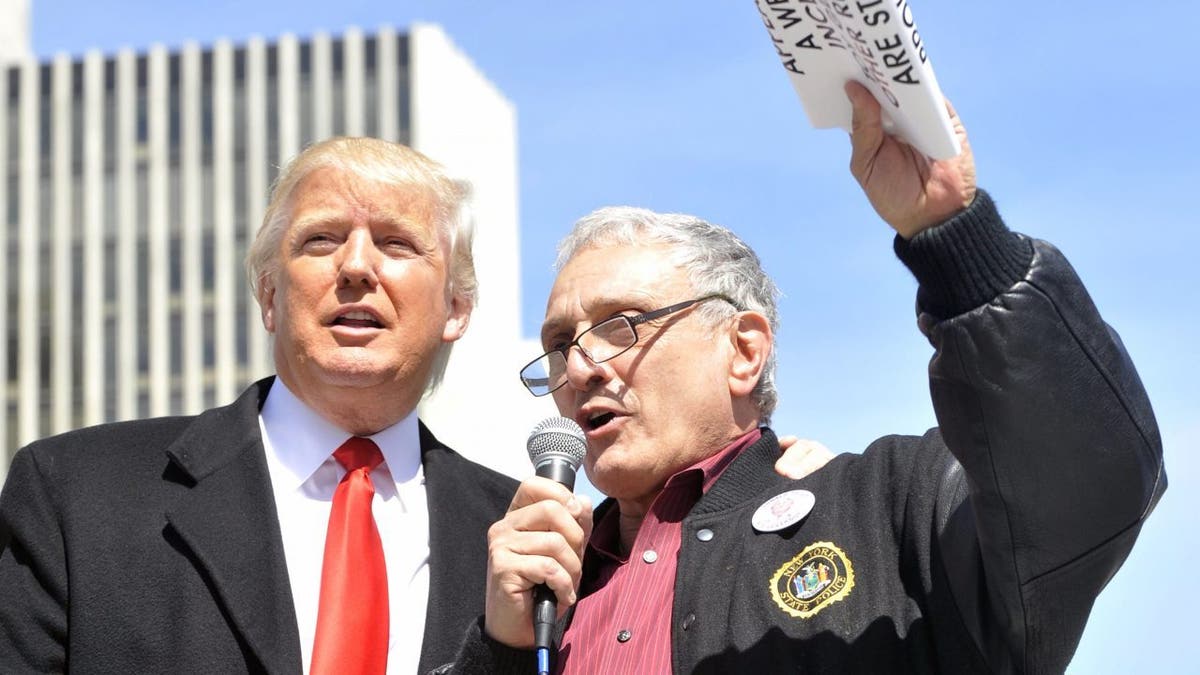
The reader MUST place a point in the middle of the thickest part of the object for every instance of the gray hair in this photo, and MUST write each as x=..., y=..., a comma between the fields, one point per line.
x=385, y=163
x=715, y=260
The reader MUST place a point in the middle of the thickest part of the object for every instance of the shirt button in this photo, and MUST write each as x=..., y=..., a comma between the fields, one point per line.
x=624, y=636
x=704, y=534
x=689, y=620
x=650, y=556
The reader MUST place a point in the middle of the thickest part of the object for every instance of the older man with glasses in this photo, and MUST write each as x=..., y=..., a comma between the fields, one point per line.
x=978, y=547
x=606, y=340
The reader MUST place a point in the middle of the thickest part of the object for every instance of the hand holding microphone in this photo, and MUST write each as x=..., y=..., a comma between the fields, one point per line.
x=540, y=541
x=556, y=447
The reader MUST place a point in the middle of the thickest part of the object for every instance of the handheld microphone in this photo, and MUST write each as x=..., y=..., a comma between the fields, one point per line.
x=556, y=447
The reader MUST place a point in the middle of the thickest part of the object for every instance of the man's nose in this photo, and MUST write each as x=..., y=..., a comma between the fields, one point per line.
x=359, y=261
x=582, y=372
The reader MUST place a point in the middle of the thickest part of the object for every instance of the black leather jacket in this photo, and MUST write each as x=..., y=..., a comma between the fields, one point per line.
x=978, y=547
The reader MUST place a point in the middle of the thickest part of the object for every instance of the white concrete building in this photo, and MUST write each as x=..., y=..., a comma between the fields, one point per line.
x=14, y=30
x=132, y=183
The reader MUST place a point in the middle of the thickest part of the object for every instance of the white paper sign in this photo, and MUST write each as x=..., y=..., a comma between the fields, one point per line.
x=824, y=43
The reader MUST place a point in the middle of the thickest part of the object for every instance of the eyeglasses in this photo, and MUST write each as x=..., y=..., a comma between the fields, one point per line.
x=605, y=341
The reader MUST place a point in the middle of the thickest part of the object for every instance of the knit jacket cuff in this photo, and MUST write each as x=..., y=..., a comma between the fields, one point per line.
x=479, y=653
x=966, y=261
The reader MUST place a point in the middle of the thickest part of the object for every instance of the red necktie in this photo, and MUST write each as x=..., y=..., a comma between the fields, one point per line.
x=352, y=618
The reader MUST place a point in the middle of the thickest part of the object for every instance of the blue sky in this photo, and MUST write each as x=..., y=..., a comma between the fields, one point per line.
x=1078, y=116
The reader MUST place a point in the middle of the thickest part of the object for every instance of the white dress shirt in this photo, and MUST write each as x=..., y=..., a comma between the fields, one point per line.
x=304, y=474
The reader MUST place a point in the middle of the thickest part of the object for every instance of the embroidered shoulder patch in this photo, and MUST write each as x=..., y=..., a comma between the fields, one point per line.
x=818, y=576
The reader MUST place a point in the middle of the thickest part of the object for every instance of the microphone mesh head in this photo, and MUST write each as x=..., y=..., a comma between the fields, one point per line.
x=557, y=437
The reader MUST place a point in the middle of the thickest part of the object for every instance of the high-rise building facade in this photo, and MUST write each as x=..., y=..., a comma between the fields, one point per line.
x=132, y=183
x=14, y=30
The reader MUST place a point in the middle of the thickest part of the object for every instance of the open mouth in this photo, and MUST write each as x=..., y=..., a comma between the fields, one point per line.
x=600, y=419
x=357, y=319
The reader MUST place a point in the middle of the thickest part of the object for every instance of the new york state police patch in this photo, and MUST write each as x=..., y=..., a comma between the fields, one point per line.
x=816, y=577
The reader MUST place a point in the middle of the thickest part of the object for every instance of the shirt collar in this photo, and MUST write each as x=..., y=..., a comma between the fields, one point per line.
x=706, y=472
x=712, y=468
x=302, y=440
x=605, y=539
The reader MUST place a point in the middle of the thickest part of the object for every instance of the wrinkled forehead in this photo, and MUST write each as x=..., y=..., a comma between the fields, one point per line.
x=333, y=193
x=599, y=281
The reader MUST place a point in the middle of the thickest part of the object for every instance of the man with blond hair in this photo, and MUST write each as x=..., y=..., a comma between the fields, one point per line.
x=314, y=524
x=199, y=544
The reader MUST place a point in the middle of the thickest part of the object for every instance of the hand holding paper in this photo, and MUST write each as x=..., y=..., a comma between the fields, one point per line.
x=824, y=43
x=909, y=190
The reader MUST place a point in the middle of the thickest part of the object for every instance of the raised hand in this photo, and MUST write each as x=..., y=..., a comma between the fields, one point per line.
x=908, y=190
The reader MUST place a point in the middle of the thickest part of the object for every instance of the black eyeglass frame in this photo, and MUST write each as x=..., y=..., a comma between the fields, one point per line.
x=633, y=321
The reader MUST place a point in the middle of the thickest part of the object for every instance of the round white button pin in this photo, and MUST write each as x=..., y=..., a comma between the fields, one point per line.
x=783, y=510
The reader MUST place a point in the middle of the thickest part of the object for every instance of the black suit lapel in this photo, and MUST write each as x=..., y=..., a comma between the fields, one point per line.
x=229, y=524
x=449, y=565
x=464, y=500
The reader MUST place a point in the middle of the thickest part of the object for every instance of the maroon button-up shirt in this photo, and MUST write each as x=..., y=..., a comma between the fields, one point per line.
x=622, y=623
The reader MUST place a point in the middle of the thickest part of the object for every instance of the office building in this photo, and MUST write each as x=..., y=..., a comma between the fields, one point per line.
x=132, y=183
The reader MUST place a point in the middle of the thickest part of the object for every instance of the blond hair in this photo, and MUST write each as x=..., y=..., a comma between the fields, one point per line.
x=388, y=164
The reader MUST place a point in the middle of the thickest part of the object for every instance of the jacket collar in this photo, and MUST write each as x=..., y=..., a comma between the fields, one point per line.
x=750, y=473
x=219, y=436
x=746, y=478
x=227, y=524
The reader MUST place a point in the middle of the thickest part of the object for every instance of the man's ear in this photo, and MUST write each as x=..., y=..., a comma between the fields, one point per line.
x=751, y=339
x=266, y=303
x=458, y=318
